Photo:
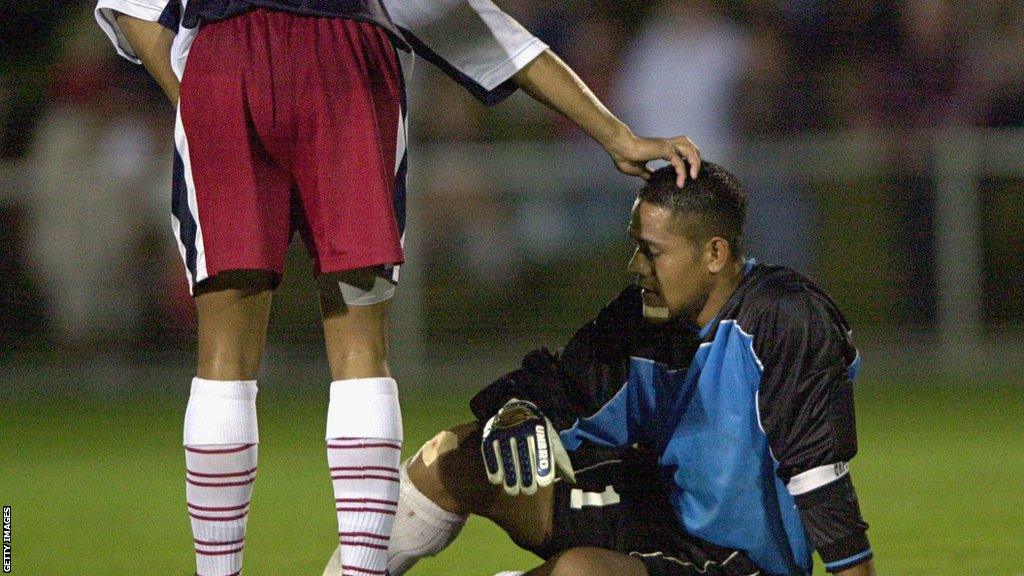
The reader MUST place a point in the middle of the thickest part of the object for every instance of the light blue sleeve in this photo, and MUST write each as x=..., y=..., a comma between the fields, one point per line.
x=634, y=415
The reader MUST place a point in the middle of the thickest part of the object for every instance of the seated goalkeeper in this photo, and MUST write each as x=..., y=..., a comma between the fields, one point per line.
x=708, y=412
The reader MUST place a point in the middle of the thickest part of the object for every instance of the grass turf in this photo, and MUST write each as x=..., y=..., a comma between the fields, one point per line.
x=96, y=484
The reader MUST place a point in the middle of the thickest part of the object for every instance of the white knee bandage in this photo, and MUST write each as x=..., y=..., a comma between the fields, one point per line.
x=381, y=290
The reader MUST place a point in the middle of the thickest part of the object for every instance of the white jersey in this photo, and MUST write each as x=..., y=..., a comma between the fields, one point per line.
x=472, y=41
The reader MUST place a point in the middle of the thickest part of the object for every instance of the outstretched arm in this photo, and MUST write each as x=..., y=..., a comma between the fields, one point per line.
x=491, y=54
x=550, y=81
x=151, y=42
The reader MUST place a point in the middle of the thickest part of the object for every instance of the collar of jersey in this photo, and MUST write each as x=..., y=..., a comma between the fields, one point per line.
x=748, y=265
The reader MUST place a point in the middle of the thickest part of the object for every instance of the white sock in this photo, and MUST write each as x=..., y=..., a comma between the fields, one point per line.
x=221, y=441
x=364, y=448
x=422, y=528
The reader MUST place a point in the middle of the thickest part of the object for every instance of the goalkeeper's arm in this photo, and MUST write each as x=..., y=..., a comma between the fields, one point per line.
x=579, y=380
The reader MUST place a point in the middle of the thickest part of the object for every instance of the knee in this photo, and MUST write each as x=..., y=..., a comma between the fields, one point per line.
x=574, y=562
x=356, y=338
x=590, y=562
x=229, y=353
x=446, y=469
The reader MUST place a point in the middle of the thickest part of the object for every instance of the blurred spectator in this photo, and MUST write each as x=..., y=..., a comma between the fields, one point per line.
x=23, y=314
x=681, y=74
x=29, y=38
x=994, y=68
x=99, y=174
x=917, y=83
x=85, y=215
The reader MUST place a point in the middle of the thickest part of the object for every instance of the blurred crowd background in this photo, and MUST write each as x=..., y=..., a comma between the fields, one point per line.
x=848, y=121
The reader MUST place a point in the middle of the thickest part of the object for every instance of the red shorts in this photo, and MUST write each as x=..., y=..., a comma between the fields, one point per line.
x=288, y=123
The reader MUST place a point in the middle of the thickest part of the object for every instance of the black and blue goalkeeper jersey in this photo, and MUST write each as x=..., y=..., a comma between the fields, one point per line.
x=197, y=11
x=751, y=417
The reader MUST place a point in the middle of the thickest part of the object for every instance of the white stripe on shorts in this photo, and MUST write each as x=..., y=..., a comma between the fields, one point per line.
x=181, y=143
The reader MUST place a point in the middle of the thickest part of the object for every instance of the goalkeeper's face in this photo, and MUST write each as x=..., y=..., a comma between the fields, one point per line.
x=669, y=266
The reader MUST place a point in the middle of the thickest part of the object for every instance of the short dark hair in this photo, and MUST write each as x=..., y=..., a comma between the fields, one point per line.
x=714, y=201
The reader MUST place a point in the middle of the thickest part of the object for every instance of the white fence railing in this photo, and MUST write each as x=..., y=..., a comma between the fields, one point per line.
x=955, y=159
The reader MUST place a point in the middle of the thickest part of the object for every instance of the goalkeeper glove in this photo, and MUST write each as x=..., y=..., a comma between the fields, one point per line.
x=522, y=450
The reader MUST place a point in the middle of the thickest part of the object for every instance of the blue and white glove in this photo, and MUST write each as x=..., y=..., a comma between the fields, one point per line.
x=522, y=450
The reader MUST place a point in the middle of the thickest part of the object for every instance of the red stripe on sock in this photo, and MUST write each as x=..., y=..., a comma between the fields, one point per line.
x=218, y=450
x=216, y=519
x=361, y=570
x=364, y=535
x=377, y=510
x=215, y=508
x=225, y=475
x=224, y=553
x=222, y=485
x=361, y=446
x=364, y=468
x=363, y=545
x=365, y=477
x=205, y=543
x=368, y=501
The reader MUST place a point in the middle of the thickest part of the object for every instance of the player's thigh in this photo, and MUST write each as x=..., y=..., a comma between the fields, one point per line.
x=590, y=562
x=355, y=306
x=233, y=311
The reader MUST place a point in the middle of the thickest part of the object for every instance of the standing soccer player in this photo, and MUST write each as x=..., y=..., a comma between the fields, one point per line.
x=291, y=117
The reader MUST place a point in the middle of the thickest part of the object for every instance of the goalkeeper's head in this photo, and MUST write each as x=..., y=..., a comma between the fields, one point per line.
x=688, y=241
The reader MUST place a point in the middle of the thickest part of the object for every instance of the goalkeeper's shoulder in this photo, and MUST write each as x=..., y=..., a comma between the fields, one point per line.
x=577, y=380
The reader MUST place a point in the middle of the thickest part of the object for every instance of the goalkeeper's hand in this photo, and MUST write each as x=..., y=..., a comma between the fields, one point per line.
x=522, y=450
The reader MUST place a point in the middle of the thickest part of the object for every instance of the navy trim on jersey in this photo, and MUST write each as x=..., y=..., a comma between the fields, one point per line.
x=776, y=526
x=487, y=97
x=180, y=210
x=370, y=11
x=171, y=16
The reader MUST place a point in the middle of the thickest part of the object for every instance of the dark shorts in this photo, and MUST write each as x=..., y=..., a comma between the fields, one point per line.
x=620, y=505
x=288, y=123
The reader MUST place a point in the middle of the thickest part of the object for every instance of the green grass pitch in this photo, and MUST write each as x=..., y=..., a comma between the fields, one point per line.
x=96, y=485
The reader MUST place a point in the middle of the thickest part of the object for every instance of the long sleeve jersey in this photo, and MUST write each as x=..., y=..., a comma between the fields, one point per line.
x=472, y=41
x=751, y=417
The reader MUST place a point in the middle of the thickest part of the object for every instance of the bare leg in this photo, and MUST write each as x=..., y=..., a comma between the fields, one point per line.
x=590, y=562
x=233, y=309
x=221, y=436
x=364, y=424
x=356, y=336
